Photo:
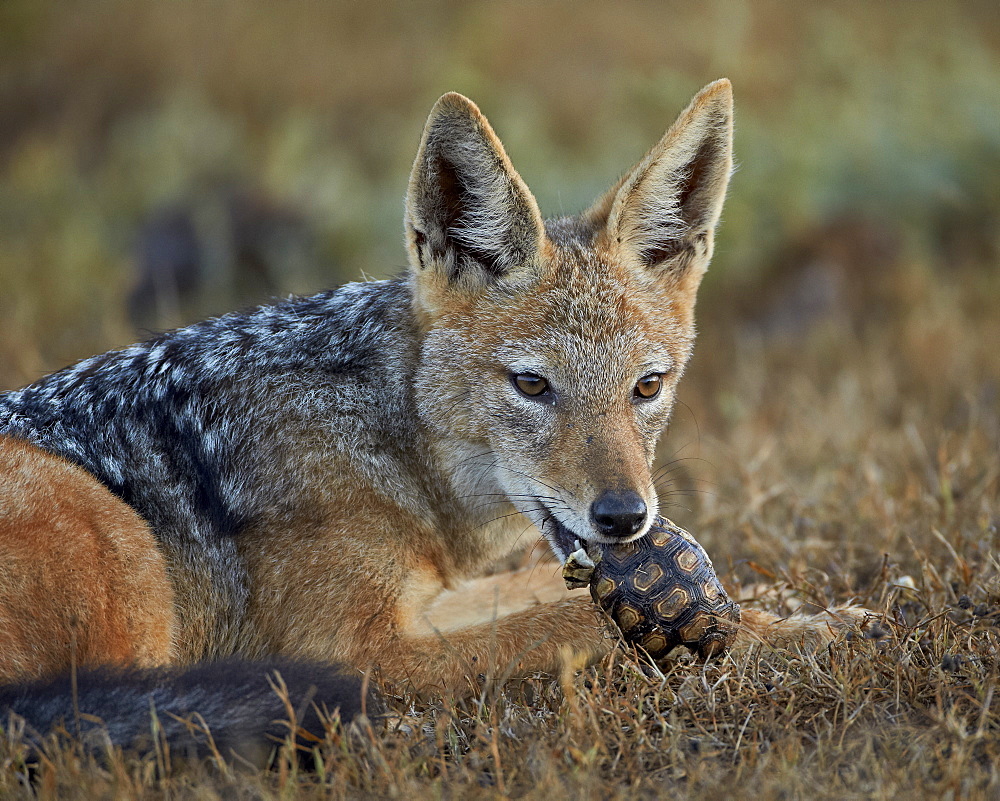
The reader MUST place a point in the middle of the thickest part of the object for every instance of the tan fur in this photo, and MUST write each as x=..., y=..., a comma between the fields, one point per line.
x=380, y=594
x=356, y=568
x=81, y=579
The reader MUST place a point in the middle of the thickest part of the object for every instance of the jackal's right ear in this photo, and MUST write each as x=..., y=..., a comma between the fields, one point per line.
x=663, y=212
x=469, y=216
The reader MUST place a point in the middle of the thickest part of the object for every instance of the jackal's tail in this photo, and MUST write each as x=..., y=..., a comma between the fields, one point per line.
x=229, y=708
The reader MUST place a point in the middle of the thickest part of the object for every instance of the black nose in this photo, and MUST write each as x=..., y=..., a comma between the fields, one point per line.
x=618, y=514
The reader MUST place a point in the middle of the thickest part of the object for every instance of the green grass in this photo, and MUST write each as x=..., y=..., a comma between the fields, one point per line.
x=853, y=456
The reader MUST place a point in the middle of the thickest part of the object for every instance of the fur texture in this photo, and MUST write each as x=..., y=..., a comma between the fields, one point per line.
x=239, y=708
x=328, y=477
x=81, y=579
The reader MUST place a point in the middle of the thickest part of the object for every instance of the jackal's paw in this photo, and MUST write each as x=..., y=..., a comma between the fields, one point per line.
x=850, y=617
x=578, y=568
x=805, y=632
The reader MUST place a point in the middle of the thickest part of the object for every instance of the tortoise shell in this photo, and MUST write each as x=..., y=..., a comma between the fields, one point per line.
x=662, y=591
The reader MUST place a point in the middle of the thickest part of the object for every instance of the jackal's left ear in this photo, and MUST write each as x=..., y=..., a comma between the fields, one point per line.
x=664, y=211
x=469, y=216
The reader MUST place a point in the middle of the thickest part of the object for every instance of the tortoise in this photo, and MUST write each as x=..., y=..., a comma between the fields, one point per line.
x=660, y=590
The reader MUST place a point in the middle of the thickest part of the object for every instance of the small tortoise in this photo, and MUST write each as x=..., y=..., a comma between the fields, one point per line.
x=661, y=590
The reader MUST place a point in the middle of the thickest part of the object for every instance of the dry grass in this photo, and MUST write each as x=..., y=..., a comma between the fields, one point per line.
x=860, y=462
x=851, y=453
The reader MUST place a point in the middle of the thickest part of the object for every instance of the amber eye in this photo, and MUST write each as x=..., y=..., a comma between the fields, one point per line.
x=649, y=386
x=531, y=385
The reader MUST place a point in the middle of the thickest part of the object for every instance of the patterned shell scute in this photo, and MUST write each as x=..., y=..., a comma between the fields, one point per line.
x=662, y=592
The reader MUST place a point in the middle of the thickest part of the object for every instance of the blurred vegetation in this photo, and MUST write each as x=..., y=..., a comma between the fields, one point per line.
x=839, y=431
x=112, y=111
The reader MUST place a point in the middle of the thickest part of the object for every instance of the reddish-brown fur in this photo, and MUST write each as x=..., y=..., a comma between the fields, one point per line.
x=81, y=579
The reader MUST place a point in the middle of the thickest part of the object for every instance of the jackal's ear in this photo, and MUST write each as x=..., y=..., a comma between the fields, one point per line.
x=469, y=215
x=664, y=211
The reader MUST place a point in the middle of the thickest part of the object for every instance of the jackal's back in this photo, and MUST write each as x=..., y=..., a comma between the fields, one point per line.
x=209, y=430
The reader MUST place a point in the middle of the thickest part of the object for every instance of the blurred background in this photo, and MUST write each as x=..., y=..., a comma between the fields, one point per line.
x=160, y=162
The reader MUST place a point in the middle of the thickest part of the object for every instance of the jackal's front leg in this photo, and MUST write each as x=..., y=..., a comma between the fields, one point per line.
x=499, y=626
x=806, y=632
x=528, y=621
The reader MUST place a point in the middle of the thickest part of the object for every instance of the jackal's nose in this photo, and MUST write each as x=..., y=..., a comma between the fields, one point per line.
x=618, y=514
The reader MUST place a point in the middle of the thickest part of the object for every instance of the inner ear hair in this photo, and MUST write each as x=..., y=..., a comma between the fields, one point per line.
x=461, y=229
x=703, y=179
x=664, y=210
x=470, y=214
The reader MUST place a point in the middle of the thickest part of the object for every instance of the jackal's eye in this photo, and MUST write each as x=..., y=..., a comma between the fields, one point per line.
x=530, y=385
x=648, y=386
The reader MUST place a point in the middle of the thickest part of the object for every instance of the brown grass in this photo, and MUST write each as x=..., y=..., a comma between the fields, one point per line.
x=848, y=453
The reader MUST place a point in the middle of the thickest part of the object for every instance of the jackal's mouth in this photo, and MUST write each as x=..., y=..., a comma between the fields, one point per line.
x=564, y=541
x=561, y=539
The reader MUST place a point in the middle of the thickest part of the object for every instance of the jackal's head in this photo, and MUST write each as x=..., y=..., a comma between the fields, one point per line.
x=553, y=348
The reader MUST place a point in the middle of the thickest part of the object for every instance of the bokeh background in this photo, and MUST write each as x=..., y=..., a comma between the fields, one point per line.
x=838, y=432
x=160, y=161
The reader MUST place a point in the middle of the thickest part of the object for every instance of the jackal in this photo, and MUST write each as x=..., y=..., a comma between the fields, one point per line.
x=328, y=477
